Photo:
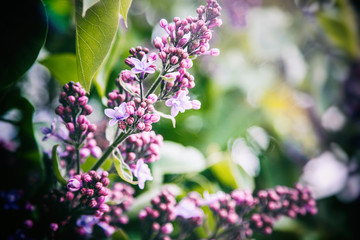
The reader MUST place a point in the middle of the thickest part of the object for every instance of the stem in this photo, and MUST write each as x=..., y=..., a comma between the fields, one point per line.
x=141, y=90
x=109, y=150
x=155, y=84
x=77, y=158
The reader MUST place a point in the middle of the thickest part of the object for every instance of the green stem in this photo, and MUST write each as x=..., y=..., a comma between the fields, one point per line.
x=155, y=84
x=109, y=150
x=77, y=158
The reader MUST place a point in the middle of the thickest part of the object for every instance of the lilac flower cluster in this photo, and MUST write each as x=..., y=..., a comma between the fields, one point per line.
x=237, y=214
x=120, y=199
x=89, y=190
x=135, y=114
x=73, y=111
x=145, y=146
x=156, y=220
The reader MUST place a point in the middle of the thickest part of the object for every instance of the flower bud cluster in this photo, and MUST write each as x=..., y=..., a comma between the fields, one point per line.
x=189, y=213
x=281, y=201
x=135, y=113
x=90, y=147
x=73, y=111
x=89, y=190
x=145, y=145
x=121, y=197
x=156, y=220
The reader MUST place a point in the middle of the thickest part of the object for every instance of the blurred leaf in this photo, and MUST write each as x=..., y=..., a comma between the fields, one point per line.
x=232, y=175
x=340, y=27
x=95, y=35
x=119, y=235
x=56, y=168
x=175, y=158
x=122, y=168
x=124, y=9
x=23, y=36
x=62, y=67
x=102, y=77
x=90, y=162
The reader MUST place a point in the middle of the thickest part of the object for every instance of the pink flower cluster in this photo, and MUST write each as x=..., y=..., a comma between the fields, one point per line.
x=73, y=111
x=156, y=220
x=145, y=146
x=89, y=190
x=121, y=197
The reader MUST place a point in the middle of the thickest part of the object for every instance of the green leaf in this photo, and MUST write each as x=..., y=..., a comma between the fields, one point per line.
x=56, y=167
x=340, y=27
x=103, y=76
x=175, y=158
x=232, y=175
x=62, y=67
x=126, y=88
x=87, y=4
x=124, y=9
x=95, y=34
x=119, y=235
x=122, y=168
x=23, y=37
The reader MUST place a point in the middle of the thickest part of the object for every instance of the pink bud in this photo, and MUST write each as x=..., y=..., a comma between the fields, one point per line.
x=154, y=118
x=70, y=126
x=153, y=98
x=196, y=104
x=141, y=126
x=214, y=52
x=174, y=60
x=167, y=228
x=163, y=23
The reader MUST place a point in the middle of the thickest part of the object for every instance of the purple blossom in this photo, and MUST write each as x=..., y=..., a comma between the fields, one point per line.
x=117, y=114
x=211, y=198
x=142, y=172
x=48, y=132
x=87, y=222
x=179, y=103
x=108, y=229
x=188, y=209
x=141, y=66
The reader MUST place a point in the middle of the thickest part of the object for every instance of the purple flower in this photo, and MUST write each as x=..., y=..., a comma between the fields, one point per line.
x=211, y=198
x=73, y=185
x=187, y=209
x=141, y=66
x=179, y=103
x=117, y=114
x=142, y=172
x=108, y=229
x=48, y=132
x=87, y=222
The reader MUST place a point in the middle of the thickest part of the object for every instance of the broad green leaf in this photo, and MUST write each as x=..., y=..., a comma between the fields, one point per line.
x=119, y=235
x=87, y=4
x=22, y=38
x=232, y=175
x=95, y=34
x=102, y=77
x=56, y=168
x=341, y=28
x=62, y=67
x=175, y=158
x=124, y=9
x=122, y=168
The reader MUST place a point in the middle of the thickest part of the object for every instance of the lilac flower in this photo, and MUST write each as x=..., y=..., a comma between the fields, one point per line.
x=108, y=229
x=142, y=172
x=48, y=132
x=87, y=222
x=141, y=66
x=211, y=198
x=187, y=209
x=179, y=103
x=117, y=114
